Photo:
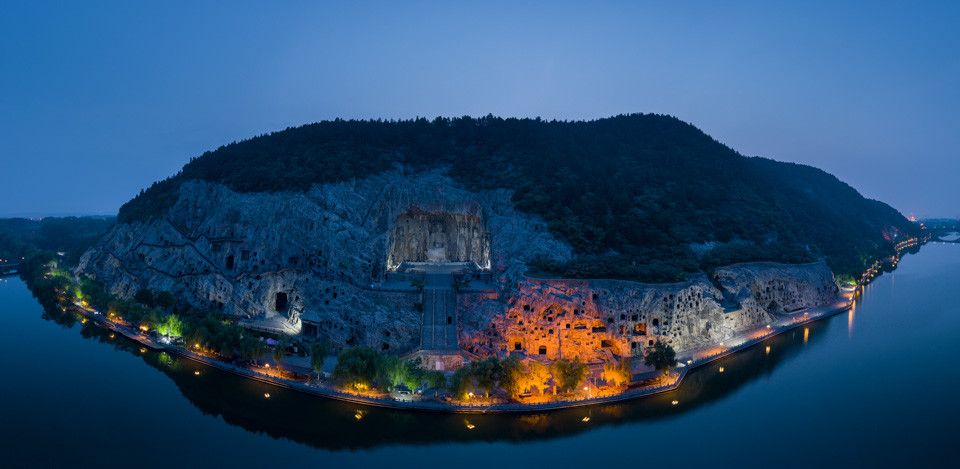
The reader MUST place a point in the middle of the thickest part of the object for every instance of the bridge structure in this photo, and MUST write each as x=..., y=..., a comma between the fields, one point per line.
x=7, y=270
x=943, y=231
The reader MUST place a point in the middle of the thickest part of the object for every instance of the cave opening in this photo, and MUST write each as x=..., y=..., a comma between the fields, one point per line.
x=440, y=237
x=280, y=301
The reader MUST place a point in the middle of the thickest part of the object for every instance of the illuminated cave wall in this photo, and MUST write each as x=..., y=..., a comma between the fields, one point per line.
x=594, y=320
x=420, y=236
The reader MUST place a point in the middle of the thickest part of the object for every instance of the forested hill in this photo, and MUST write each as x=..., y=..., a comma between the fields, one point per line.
x=639, y=196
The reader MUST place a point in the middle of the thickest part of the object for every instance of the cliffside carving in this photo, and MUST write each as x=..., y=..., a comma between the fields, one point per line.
x=320, y=263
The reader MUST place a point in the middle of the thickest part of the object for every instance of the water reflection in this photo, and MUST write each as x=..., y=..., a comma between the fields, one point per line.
x=850, y=320
x=327, y=424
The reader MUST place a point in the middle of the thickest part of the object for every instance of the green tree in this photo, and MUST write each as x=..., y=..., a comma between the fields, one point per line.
x=661, y=356
x=280, y=350
x=389, y=372
x=357, y=367
x=413, y=374
x=461, y=384
x=486, y=373
x=170, y=325
x=436, y=380
x=258, y=350
x=318, y=353
x=538, y=375
x=144, y=297
x=568, y=374
x=617, y=373
x=165, y=299
x=513, y=376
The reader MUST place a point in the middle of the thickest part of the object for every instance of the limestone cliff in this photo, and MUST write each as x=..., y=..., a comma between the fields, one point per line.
x=329, y=262
x=319, y=257
x=595, y=319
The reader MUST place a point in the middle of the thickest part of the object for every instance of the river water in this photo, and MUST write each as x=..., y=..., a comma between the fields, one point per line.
x=873, y=387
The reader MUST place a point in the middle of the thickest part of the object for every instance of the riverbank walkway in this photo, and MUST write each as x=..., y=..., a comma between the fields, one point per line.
x=688, y=361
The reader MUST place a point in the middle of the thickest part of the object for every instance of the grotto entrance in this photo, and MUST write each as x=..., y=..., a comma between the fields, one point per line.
x=439, y=237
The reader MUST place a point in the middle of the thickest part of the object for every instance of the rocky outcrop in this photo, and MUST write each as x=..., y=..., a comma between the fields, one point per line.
x=319, y=256
x=319, y=262
x=596, y=319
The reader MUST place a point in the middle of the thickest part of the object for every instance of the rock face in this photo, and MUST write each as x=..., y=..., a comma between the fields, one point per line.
x=595, y=319
x=420, y=236
x=321, y=263
x=319, y=258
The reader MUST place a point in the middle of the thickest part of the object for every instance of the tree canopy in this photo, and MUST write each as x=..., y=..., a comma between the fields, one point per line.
x=661, y=356
x=632, y=193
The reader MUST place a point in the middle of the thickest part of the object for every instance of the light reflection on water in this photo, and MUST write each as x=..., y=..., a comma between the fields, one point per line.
x=810, y=382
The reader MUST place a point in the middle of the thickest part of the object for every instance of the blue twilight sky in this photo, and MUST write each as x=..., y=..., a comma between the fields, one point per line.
x=99, y=99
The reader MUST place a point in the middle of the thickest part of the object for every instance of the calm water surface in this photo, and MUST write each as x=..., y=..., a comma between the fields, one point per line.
x=873, y=387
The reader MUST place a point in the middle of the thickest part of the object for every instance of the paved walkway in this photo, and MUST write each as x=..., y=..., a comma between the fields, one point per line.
x=747, y=340
x=438, y=331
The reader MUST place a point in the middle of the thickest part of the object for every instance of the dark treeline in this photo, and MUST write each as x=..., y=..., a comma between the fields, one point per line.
x=71, y=235
x=630, y=193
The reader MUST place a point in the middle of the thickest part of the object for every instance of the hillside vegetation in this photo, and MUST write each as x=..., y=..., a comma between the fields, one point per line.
x=71, y=235
x=640, y=196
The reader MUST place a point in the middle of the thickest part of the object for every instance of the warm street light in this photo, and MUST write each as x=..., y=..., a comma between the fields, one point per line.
x=267, y=395
x=675, y=402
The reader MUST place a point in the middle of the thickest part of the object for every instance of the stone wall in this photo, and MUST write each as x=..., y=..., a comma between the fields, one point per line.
x=325, y=249
x=595, y=319
x=327, y=252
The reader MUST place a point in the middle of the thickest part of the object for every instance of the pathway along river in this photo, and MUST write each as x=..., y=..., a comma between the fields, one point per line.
x=872, y=387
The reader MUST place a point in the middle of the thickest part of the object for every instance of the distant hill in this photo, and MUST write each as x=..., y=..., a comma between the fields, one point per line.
x=639, y=196
x=72, y=235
